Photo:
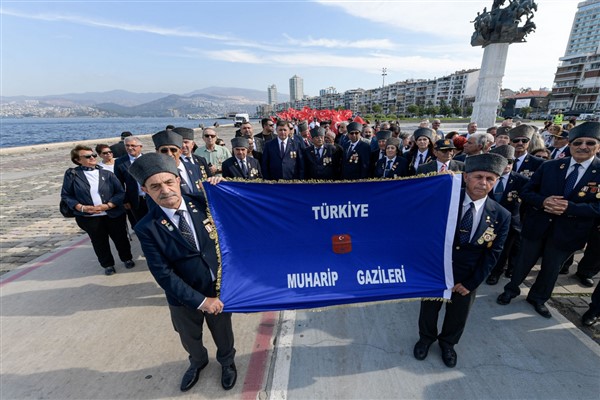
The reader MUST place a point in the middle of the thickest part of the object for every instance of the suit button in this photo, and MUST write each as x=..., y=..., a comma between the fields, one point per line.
x=457, y=247
x=203, y=254
x=550, y=220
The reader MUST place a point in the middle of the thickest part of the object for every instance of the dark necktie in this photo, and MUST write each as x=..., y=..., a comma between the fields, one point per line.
x=571, y=180
x=244, y=168
x=499, y=189
x=554, y=154
x=282, y=150
x=466, y=224
x=189, y=159
x=350, y=149
x=387, y=168
x=420, y=159
x=318, y=152
x=185, y=229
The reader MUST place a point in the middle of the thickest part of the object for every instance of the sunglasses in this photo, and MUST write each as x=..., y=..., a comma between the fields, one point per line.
x=270, y=124
x=106, y=152
x=524, y=140
x=88, y=156
x=586, y=142
x=354, y=133
x=165, y=150
x=210, y=136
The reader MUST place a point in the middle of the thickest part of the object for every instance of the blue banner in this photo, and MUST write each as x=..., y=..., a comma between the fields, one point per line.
x=306, y=245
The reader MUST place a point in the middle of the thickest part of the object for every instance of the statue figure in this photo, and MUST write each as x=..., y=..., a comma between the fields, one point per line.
x=501, y=25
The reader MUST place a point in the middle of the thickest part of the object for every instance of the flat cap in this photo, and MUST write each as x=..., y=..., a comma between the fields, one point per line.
x=522, y=130
x=587, y=129
x=383, y=135
x=444, y=144
x=563, y=134
x=169, y=137
x=151, y=164
x=317, y=131
x=186, y=133
x=354, y=126
x=505, y=151
x=428, y=133
x=239, y=142
x=488, y=162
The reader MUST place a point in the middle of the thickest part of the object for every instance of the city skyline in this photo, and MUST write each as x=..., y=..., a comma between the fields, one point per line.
x=74, y=47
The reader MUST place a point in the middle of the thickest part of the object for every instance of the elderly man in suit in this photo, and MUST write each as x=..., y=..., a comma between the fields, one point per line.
x=478, y=242
x=187, y=151
x=564, y=197
x=321, y=160
x=135, y=198
x=357, y=155
x=240, y=165
x=506, y=192
x=179, y=244
x=443, y=151
x=525, y=163
x=282, y=157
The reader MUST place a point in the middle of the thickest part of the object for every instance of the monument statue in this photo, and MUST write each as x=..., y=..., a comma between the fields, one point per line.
x=501, y=25
x=495, y=30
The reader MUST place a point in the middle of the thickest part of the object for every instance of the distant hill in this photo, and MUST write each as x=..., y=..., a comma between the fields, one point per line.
x=250, y=94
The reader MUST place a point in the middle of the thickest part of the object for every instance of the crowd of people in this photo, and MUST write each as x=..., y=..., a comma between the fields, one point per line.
x=527, y=193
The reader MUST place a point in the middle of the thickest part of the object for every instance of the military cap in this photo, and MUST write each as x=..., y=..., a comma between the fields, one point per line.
x=317, y=131
x=383, y=135
x=302, y=126
x=239, y=142
x=126, y=134
x=151, y=164
x=587, y=129
x=185, y=133
x=488, y=162
x=428, y=133
x=505, y=151
x=522, y=130
x=503, y=130
x=444, y=144
x=393, y=142
x=169, y=137
x=354, y=126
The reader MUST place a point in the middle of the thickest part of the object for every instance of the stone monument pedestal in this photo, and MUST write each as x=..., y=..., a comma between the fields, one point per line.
x=489, y=85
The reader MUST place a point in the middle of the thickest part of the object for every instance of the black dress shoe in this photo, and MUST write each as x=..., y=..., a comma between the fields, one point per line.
x=540, y=309
x=421, y=349
x=588, y=318
x=229, y=376
x=508, y=274
x=109, y=270
x=492, y=279
x=564, y=270
x=587, y=282
x=504, y=298
x=449, y=356
x=191, y=377
x=129, y=264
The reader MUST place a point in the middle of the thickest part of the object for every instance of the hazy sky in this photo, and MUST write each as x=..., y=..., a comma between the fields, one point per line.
x=56, y=47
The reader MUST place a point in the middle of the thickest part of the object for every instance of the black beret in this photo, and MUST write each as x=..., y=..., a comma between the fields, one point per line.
x=169, y=137
x=423, y=132
x=383, y=135
x=239, y=142
x=587, y=129
x=488, y=162
x=522, y=130
x=317, y=131
x=354, y=126
x=151, y=164
x=185, y=133
x=444, y=144
x=505, y=151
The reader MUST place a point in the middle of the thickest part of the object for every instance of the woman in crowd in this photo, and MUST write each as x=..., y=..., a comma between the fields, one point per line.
x=392, y=165
x=541, y=153
x=106, y=154
x=96, y=196
x=422, y=151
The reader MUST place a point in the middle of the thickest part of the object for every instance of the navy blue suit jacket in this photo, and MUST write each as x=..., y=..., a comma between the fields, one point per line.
x=76, y=190
x=327, y=167
x=399, y=168
x=570, y=230
x=511, y=198
x=122, y=165
x=231, y=168
x=473, y=261
x=291, y=166
x=202, y=164
x=355, y=165
x=182, y=271
x=529, y=165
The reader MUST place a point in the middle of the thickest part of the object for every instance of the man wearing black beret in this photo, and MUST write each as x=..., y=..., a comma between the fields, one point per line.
x=480, y=235
x=564, y=197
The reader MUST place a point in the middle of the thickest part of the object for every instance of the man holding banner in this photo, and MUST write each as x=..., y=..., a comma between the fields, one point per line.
x=179, y=244
x=478, y=242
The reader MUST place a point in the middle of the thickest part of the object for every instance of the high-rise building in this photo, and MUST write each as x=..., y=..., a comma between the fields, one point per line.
x=576, y=85
x=296, y=88
x=272, y=94
x=329, y=90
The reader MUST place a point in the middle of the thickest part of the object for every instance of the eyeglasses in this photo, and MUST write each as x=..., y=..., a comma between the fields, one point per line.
x=165, y=150
x=270, y=124
x=522, y=140
x=210, y=136
x=88, y=156
x=586, y=142
x=106, y=152
x=354, y=133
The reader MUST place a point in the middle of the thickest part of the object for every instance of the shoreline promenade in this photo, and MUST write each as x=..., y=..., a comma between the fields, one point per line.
x=70, y=332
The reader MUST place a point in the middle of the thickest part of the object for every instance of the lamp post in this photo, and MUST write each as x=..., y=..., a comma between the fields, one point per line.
x=383, y=74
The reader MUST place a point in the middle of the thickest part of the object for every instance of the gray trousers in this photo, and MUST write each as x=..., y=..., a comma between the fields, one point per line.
x=188, y=324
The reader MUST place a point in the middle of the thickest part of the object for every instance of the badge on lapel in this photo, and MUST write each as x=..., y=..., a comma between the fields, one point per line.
x=167, y=225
